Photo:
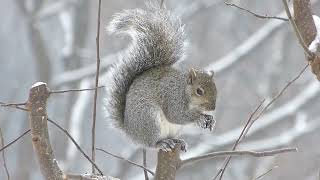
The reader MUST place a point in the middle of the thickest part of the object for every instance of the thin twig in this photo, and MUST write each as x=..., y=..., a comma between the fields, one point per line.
x=76, y=144
x=255, y=14
x=161, y=3
x=87, y=177
x=217, y=175
x=226, y=162
x=15, y=140
x=75, y=90
x=93, y=148
x=265, y=173
x=14, y=105
x=277, y=97
x=130, y=162
x=296, y=31
x=144, y=154
x=250, y=123
x=3, y=156
x=237, y=153
x=282, y=91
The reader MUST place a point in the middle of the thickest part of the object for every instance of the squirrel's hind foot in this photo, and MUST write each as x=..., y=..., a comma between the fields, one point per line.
x=167, y=145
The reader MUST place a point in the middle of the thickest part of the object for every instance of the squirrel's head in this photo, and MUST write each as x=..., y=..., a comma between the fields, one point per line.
x=201, y=90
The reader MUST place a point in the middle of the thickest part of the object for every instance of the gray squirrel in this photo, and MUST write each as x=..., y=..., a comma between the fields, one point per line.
x=147, y=98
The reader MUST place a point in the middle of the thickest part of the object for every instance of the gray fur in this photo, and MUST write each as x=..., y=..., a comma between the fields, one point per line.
x=158, y=40
x=147, y=98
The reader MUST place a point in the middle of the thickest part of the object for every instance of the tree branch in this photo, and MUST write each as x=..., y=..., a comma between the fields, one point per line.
x=15, y=140
x=3, y=156
x=236, y=153
x=130, y=162
x=241, y=136
x=37, y=100
x=76, y=144
x=167, y=164
x=14, y=105
x=255, y=14
x=144, y=154
x=265, y=173
x=94, y=113
x=306, y=26
x=88, y=177
x=75, y=90
x=296, y=30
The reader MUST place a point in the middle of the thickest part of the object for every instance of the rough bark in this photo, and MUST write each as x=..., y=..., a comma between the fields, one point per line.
x=307, y=28
x=168, y=164
x=36, y=104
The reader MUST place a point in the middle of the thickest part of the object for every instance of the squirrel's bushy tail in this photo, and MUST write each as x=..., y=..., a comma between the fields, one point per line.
x=158, y=39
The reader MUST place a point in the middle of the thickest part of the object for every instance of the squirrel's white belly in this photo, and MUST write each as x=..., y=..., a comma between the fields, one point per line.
x=168, y=129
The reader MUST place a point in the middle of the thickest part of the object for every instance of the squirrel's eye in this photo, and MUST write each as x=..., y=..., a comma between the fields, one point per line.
x=200, y=91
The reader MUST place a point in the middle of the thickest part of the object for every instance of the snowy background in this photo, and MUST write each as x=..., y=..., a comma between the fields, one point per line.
x=54, y=41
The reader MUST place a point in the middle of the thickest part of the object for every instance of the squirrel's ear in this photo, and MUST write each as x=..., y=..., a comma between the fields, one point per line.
x=191, y=76
x=211, y=73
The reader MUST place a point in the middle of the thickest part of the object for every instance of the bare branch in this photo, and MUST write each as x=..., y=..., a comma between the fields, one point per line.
x=14, y=105
x=144, y=154
x=282, y=91
x=265, y=173
x=300, y=129
x=307, y=28
x=88, y=177
x=76, y=144
x=58, y=126
x=37, y=101
x=296, y=30
x=76, y=121
x=161, y=3
x=168, y=163
x=93, y=148
x=3, y=156
x=237, y=153
x=250, y=123
x=304, y=20
x=130, y=162
x=15, y=140
x=75, y=90
x=255, y=14
x=241, y=136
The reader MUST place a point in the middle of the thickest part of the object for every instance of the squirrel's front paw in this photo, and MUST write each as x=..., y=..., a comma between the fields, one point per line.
x=169, y=144
x=206, y=122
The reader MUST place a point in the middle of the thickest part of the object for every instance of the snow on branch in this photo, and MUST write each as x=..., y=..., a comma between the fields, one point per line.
x=308, y=26
x=315, y=44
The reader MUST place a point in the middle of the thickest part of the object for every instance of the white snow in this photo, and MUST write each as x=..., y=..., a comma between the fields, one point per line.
x=314, y=46
x=37, y=84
